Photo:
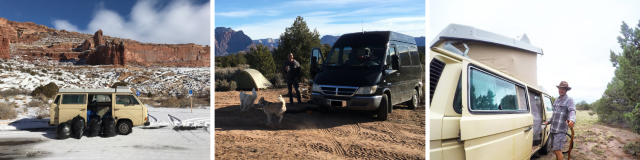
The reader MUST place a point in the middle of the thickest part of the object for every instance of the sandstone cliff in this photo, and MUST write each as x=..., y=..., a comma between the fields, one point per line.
x=228, y=41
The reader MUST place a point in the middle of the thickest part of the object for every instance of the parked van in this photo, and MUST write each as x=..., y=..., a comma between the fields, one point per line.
x=368, y=71
x=481, y=105
x=120, y=103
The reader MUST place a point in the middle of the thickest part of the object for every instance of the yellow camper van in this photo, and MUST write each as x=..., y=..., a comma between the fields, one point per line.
x=484, y=99
x=121, y=103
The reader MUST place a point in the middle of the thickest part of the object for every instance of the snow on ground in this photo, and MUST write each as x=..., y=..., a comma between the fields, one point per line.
x=28, y=137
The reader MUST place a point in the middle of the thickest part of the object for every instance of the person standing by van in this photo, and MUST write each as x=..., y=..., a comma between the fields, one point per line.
x=292, y=72
x=564, y=115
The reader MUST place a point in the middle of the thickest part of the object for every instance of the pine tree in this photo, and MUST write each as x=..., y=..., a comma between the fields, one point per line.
x=260, y=59
x=298, y=40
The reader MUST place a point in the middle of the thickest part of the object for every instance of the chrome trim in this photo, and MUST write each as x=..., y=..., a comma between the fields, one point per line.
x=337, y=90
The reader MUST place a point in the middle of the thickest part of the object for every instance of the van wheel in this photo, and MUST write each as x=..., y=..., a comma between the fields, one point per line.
x=413, y=103
x=123, y=127
x=548, y=147
x=383, y=113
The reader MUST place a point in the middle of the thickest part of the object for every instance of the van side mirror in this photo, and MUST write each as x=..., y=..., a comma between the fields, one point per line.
x=395, y=62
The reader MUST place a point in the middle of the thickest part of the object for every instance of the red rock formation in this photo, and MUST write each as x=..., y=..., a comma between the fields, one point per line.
x=228, y=41
x=4, y=47
x=97, y=38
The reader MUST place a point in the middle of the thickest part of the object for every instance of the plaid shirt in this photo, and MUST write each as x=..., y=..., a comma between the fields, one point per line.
x=563, y=108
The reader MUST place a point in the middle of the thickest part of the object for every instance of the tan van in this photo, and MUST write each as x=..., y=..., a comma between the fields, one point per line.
x=483, y=100
x=126, y=109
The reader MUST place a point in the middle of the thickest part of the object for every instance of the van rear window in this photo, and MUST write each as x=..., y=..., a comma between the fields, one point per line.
x=73, y=99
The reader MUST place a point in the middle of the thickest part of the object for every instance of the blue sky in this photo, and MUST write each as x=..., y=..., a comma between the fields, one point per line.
x=163, y=21
x=261, y=19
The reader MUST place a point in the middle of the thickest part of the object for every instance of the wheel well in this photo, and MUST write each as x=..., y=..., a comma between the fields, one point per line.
x=388, y=93
x=125, y=120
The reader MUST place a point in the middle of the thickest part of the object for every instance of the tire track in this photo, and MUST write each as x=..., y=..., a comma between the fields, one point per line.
x=354, y=130
x=334, y=145
x=397, y=134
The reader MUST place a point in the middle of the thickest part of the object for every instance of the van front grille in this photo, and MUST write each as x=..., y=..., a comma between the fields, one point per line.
x=338, y=90
x=435, y=71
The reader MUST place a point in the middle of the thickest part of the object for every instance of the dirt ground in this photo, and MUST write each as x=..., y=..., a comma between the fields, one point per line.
x=594, y=140
x=340, y=134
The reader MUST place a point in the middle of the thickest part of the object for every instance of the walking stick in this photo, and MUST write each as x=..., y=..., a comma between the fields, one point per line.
x=571, y=146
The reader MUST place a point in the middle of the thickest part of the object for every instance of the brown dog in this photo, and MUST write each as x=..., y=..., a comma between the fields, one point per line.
x=271, y=108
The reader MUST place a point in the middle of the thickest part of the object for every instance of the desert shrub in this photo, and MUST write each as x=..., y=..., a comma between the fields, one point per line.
x=170, y=103
x=44, y=70
x=591, y=113
x=58, y=73
x=42, y=112
x=229, y=73
x=121, y=83
x=48, y=90
x=149, y=94
x=13, y=92
x=41, y=97
x=632, y=148
x=7, y=111
x=223, y=85
x=35, y=103
x=278, y=81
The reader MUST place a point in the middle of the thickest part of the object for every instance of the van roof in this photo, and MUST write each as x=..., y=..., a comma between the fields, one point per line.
x=386, y=36
x=119, y=89
x=462, y=32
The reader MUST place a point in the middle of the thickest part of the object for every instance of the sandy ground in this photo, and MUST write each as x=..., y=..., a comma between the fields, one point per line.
x=30, y=138
x=594, y=140
x=341, y=134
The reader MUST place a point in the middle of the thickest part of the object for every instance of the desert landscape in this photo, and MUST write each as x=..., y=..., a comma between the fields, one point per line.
x=339, y=134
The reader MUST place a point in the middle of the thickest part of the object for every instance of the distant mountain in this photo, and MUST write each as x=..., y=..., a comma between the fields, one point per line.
x=420, y=41
x=229, y=41
x=271, y=43
x=329, y=39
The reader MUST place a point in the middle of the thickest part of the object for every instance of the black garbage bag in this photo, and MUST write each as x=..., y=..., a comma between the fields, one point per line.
x=95, y=125
x=77, y=127
x=62, y=131
x=108, y=127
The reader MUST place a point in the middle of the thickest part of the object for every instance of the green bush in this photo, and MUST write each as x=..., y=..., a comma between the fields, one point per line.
x=121, y=83
x=229, y=73
x=632, y=148
x=224, y=85
x=48, y=90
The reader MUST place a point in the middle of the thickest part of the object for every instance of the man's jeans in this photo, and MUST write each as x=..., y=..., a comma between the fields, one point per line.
x=294, y=83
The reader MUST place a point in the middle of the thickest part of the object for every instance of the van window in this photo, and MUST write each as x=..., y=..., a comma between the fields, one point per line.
x=547, y=104
x=457, y=100
x=126, y=99
x=391, y=52
x=356, y=56
x=491, y=93
x=101, y=98
x=413, y=51
x=405, y=59
x=73, y=99
x=57, y=100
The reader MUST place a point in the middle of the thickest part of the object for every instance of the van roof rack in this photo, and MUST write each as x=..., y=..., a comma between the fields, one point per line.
x=462, y=32
x=119, y=89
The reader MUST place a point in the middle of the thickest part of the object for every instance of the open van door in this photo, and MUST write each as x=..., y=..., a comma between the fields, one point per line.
x=496, y=119
x=316, y=61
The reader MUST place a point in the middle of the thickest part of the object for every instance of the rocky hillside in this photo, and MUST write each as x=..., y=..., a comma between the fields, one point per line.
x=229, y=41
x=31, y=41
x=420, y=41
x=271, y=43
x=329, y=39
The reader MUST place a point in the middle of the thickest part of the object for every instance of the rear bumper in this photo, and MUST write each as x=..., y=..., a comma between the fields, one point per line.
x=147, y=123
x=365, y=103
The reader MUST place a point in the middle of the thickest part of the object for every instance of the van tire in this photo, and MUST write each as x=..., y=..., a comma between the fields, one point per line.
x=123, y=127
x=413, y=103
x=383, y=112
x=548, y=147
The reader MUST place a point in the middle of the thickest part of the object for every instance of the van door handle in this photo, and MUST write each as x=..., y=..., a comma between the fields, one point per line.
x=116, y=109
x=528, y=129
x=83, y=109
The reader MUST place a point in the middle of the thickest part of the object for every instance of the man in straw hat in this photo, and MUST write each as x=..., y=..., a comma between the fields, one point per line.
x=564, y=115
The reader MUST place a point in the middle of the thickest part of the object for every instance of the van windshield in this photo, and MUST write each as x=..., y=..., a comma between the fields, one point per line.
x=356, y=56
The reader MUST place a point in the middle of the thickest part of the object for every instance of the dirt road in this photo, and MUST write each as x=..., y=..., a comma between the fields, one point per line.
x=594, y=140
x=341, y=134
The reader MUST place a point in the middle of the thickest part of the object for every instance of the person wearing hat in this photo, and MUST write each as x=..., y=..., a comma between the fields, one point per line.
x=564, y=115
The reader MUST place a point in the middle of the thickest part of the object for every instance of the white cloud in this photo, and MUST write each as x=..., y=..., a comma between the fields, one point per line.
x=334, y=3
x=178, y=22
x=248, y=13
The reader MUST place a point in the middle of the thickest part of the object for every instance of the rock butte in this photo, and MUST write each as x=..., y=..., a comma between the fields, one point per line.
x=32, y=41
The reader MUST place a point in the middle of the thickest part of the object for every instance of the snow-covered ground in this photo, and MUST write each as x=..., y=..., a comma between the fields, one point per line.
x=166, y=81
x=28, y=137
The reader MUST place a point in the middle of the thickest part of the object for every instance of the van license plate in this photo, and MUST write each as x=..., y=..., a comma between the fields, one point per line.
x=337, y=103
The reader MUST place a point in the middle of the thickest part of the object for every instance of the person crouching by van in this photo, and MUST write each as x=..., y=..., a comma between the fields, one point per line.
x=564, y=115
x=292, y=72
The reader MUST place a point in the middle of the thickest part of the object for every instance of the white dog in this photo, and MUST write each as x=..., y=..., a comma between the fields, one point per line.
x=270, y=108
x=247, y=100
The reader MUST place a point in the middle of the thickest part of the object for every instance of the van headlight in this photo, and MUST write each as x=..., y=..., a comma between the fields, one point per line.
x=367, y=90
x=316, y=88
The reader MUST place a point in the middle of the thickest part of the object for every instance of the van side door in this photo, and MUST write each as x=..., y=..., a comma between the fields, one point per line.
x=496, y=121
x=128, y=107
x=393, y=75
x=72, y=105
x=406, y=73
x=54, y=111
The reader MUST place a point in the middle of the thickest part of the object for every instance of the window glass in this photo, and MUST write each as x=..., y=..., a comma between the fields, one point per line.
x=414, y=53
x=356, y=56
x=100, y=98
x=57, y=99
x=73, y=99
x=133, y=99
x=490, y=93
x=547, y=104
x=457, y=100
x=391, y=52
x=405, y=59
x=126, y=99
x=522, y=100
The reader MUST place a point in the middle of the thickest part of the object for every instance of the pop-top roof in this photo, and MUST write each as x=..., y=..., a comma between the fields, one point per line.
x=119, y=89
x=462, y=32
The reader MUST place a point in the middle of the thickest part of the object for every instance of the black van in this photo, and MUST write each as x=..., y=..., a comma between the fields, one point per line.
x=368, y=71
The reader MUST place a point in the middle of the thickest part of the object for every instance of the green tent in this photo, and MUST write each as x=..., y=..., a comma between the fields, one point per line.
x=251, y=78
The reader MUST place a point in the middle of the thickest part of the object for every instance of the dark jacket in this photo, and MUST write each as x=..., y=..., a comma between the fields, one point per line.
x=294, y=69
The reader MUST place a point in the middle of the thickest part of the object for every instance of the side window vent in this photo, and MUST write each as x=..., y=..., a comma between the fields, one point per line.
x=435, y=71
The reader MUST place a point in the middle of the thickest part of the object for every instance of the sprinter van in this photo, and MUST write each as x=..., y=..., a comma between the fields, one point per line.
x=368, y=71
x=120, y=103
x=484, y=98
